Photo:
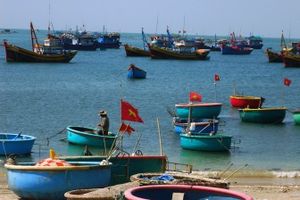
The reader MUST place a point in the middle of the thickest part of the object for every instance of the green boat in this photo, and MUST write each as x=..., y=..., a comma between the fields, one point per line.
x=296, y=116
x=272, y=115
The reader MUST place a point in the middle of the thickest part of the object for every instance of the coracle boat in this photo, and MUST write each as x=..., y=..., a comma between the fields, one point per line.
x=203, y=127
x=18, y=54
x=90, y=137
x=15, y=143
x=291, y=59
x=188, y=192
x=169, y=53
x=241, y=101
x=135, y=51
x=198, y=110
x=51, y=178
x=213, y=142
x=136, y=73
x=296, y=116
x=263, y=115
x=273, y=56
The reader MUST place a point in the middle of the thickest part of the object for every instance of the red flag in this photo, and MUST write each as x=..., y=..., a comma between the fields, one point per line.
x=126, y=128
x=194, y=96
x=129, y=113
x=217, y=77
x=287, y=82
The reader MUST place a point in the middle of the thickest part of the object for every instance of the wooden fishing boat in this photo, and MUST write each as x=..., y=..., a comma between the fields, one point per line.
x=296, y=116
x=291, y=59
x=18, y=54
x=263, y=115
x=198, y=110
x=214, y=142
x=125, y=165
x=135, y=51
x=136, y=72
x=204, y=127
x=273, y=56
x=90, y=137
x=255, y=42
x=169, y=53
x=30, y=181
x=169, y=192
x=15, y=143
x=108, y=41
x=235, y=50
x=241, y=101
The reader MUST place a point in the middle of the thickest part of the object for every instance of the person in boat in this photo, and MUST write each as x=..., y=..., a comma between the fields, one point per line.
x=103, y=125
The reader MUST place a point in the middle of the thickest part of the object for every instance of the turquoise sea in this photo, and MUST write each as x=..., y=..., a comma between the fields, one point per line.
x=43, y=99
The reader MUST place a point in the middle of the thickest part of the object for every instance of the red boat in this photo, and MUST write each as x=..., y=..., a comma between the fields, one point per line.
x=241, y=101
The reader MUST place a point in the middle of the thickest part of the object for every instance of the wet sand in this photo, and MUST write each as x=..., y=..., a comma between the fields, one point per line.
x=258, y=188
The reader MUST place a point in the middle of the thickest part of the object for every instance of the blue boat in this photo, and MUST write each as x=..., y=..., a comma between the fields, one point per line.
x=15, y=143
x=187, y=192
x=136, y=73
x=88, y=136
x=51, y=182
x=109, y=41
x=204, y=127
x=198, y=110
x=217, y=142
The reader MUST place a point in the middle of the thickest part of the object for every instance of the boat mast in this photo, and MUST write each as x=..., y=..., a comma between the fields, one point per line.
x=144, y=39
x=34, y=42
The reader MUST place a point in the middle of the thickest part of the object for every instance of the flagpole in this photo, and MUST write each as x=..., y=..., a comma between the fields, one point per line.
x=215, y=83
x=159, y=137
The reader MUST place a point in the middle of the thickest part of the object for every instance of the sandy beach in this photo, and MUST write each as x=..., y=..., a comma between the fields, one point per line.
x=258, y=188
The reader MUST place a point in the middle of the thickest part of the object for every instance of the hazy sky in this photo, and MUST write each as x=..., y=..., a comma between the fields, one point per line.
x=204, y=17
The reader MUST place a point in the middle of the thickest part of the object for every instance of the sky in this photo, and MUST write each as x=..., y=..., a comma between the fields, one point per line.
x=266, y=18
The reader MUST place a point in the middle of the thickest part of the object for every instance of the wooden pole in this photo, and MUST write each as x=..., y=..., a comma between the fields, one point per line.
x=159, y=137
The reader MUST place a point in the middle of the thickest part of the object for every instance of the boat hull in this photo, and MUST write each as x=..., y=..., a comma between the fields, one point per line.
x=198, y=110
x=296, y=117
x=216, y=142
x=135, y=51
x=13, y=143
x=245, y=101
x=87, y=136
x=18, y=54
x=263, y=115
x=80, y=47
x=228, y=50
x=198, y=127
x=291, y=60
x=125, y=165
x=136, y=73
x=50, y=183
x=273, y=56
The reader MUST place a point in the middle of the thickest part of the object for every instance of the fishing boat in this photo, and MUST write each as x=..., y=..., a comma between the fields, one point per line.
x=90, y=137
x=296, y=116
x=178, y=53
x=235, y=50
x=212, y=142
x=18, y=54
x=255, y=42
x=135, y=72
x=135, y=51
x=43, y=182
x=241, y=101
x=171, y=192
x=15, y=143
x=263, y=115
x=108, y=41
x=82, y=41
x=198, y=110
x=273, y=56
x=203, y=127
x=125, y=164
x=291, y=59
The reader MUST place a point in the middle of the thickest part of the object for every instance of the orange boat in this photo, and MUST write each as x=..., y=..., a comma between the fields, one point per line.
x=241, y=101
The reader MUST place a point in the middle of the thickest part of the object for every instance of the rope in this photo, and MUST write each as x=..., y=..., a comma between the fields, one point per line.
x=53, y=136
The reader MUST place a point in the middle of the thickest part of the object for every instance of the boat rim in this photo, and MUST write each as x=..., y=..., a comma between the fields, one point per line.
x=205, y=136
x=245, y=97
x=197, y=104
x=262, y=109
x=71, y=128
x=23, y=137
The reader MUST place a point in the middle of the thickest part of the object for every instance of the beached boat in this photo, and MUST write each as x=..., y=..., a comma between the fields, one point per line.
x=263, y=115
x=204, y=127
x=15, y=143
x=136, y=72
x=290, y=59
x=241, y=101
x=35, y=182
x=296, y=116
x=178, y=53
x=125, y=164
x=135, y=51
x=235, y=50
x=273, y=56
x=90, y=137
x=198, y=110
x=169, y=192
x=213, y=142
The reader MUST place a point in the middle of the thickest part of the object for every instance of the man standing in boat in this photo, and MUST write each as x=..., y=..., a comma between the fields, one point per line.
x=103, y=125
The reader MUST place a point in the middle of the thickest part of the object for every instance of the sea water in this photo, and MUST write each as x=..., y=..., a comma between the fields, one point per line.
x=41, y=99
